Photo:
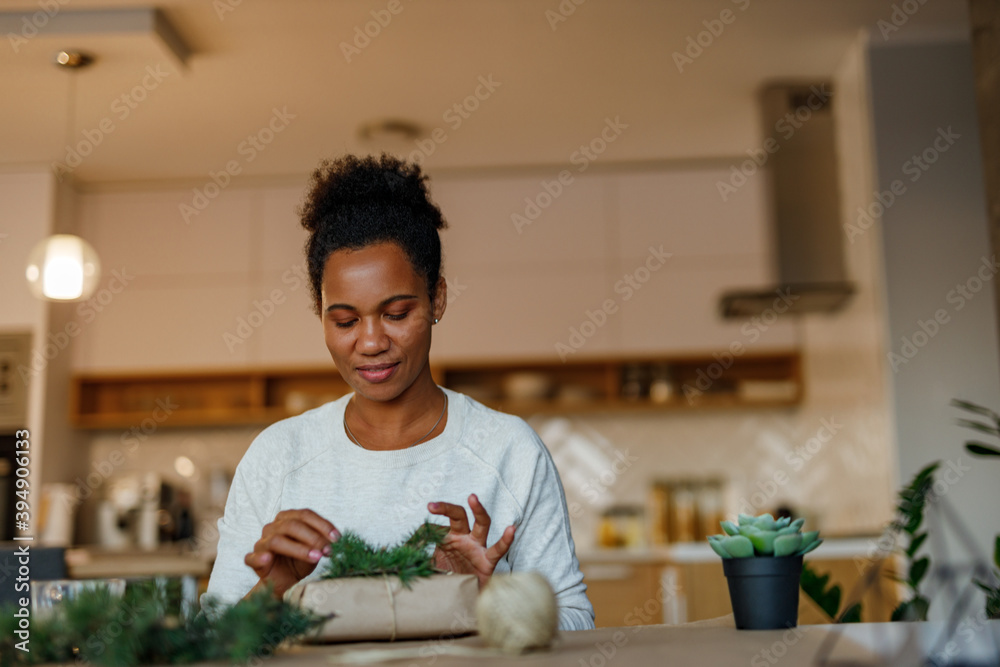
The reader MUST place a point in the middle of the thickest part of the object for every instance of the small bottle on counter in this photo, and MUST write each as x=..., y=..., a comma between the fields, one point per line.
x=633, y=388
x=657, y=512
x=709, y=508
x=607, y=532
x=683, y=514
x=661, y=387
x=622, y=526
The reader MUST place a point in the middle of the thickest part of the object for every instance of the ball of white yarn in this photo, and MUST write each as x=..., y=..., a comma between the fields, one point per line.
x=517, y=612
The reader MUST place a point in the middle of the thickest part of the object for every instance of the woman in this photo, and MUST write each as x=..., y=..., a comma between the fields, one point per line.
x=377, y=461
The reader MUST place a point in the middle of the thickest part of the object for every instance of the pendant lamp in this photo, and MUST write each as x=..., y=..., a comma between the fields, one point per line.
x=64, y=267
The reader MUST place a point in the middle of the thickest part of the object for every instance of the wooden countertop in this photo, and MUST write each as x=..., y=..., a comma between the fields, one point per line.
x=700, y=552
x=168, y=560
x=714, y=642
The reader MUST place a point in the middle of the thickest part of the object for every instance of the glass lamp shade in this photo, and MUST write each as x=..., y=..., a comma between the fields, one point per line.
x=63, y=267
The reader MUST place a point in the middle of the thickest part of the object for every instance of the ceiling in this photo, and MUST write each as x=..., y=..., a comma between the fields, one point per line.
x=556, y=84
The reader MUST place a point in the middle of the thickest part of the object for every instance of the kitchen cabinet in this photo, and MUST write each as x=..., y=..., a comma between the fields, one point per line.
x=624, y=592
x=526, y=310
x=593, y=262
x=677, y=310
x=266, y=395
x=631, y=261
x=685, y=582
x=705, y=593
x=502, y=220
x=683, y=210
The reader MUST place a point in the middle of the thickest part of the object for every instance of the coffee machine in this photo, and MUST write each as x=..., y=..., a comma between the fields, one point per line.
x=129, y=514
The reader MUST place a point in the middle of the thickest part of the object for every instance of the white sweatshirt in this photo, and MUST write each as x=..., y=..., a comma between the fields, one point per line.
x=308, y=462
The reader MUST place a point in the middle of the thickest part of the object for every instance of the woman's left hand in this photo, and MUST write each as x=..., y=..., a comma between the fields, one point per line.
x=463, y=550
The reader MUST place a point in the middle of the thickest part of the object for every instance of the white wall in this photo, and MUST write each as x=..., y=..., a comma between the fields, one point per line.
x=27, y=211
x=936, y=238
x=27, y=201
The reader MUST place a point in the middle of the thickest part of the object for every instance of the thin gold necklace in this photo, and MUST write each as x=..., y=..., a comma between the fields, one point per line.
x=354, y=438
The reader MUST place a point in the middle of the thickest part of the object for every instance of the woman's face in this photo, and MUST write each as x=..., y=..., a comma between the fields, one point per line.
x=377, y=319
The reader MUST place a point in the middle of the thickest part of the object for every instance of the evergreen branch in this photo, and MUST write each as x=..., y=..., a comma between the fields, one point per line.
x=351, y=556
x=144, y=627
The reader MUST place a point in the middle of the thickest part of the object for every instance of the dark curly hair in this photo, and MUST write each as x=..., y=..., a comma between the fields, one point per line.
x=354, y=202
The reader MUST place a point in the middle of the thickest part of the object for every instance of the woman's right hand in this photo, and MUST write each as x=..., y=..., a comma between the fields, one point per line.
x=289, y=548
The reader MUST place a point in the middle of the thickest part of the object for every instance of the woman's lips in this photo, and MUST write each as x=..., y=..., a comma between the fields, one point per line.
x=377, y=372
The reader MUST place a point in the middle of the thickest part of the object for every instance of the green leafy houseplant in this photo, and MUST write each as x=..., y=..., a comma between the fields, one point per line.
x=913, y=499
x=763, y=536
x=979, y=448
x=762, y=561
x=993, y=428
x=910, y=513
x=827, y=598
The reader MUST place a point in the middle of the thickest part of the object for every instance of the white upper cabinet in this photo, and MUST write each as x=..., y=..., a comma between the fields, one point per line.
x=545, y=265
x=717, y=243
x=684, y=211
x=623, y=262
x=503, y=221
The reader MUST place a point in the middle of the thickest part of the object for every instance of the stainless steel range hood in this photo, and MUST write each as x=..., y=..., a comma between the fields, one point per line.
x=804, y=199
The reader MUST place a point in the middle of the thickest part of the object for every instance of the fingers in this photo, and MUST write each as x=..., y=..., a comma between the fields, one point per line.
x=260, y=562
x=499, y=550
x=455, y=513
x=304, y=534
x=282, y=545
x=481, y=528
x=304, y=526
x=298, y=534
x=326, y=530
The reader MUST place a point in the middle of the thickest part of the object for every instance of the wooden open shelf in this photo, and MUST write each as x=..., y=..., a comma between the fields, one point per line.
x=262, y=396
x=200, y=398
x=598, y=385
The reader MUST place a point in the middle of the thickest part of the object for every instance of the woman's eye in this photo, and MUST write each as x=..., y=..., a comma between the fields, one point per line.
x=344, y=325
x=397, y=316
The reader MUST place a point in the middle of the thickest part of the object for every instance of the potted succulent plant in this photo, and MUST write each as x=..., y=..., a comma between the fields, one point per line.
x=762, y=560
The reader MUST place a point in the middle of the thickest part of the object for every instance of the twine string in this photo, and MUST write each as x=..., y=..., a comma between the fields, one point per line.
x=392, y=606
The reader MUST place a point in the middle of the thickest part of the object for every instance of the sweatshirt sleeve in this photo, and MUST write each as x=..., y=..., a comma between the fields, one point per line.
x=251, y=501
x=543, y=541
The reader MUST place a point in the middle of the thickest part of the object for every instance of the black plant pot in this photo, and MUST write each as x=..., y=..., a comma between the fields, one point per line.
x=764, y=591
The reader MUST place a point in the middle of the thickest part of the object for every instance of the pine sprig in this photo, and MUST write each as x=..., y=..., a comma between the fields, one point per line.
x=351, y=556
x=144, y=627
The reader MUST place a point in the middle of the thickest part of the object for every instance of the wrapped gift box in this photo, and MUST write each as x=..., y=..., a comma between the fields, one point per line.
x=374, y=608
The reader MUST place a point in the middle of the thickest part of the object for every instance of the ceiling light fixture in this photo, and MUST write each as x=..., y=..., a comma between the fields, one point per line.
x=392, y=129
x=64, y=267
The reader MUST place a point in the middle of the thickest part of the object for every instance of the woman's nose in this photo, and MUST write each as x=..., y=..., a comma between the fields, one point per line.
x=373, y=339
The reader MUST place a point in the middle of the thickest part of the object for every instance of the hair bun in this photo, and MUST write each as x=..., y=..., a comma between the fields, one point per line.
x=351, y=180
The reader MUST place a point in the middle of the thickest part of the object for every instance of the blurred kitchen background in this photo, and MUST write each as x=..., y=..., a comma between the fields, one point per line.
x=615, y=176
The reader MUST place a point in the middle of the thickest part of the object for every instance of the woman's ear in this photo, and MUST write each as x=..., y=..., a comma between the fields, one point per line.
x=440, y=300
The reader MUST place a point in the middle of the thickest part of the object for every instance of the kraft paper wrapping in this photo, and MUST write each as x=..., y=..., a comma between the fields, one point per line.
x=373, y=608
